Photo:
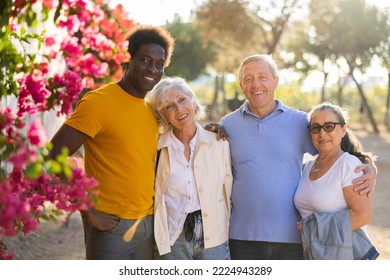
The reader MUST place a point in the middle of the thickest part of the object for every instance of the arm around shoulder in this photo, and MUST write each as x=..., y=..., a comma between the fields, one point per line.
x=366, y=183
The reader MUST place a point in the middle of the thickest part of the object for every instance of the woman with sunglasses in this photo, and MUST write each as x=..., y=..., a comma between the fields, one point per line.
x=325, y=197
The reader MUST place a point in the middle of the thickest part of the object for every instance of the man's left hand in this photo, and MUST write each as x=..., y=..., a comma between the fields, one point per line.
x=366, y=183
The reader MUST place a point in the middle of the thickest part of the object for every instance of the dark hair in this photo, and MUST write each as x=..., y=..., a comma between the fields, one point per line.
x=349, y=143
x=147, y=34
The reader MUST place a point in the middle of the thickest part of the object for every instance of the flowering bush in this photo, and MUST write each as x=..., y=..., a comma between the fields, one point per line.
x=88, y=43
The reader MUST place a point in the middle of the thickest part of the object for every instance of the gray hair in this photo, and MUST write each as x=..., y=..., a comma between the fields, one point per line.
x=157, y=98
x=259, y=57
x=341, y=113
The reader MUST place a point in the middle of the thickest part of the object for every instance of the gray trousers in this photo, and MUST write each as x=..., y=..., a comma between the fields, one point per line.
x=109, y=245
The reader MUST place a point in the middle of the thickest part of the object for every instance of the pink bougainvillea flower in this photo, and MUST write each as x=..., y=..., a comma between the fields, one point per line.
x=33, y=93
x=43, y=67
x=13, y=24
x=37, y=134
x=20, y=158
x=90, y=42
x=71, y=46
x=87, y=82
x=71, y=23
x=50, y=4
x=49, y=41
x=6, y=117
x=98, y=15
x=4, y=254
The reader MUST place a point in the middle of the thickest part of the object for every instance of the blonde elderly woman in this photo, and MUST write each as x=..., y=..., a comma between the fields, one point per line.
x=193, y=178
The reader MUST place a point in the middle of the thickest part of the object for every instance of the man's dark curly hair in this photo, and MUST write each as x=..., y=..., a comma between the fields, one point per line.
x=147, y=34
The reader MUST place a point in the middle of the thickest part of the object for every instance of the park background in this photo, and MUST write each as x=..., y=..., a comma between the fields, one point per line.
x=335, y=50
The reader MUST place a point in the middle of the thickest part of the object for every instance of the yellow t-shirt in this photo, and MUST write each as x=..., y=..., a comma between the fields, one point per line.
x=120, y=151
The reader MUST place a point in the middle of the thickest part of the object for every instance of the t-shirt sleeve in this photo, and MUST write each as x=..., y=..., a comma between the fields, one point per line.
x=90, y=115
x=349, y=166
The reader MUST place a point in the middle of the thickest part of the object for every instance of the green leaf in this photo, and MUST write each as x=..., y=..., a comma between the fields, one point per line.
x=53, y=167
x=58, y=10
x=67, y=171
x=33, y=170
x=22, y=31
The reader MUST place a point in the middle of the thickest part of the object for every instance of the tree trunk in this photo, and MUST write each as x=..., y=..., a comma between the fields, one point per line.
x=323, y=87
x=279, y=27
x=214, y=104
x=224, y=101
x=387, y=113
x=365, y=104
x=341, y=86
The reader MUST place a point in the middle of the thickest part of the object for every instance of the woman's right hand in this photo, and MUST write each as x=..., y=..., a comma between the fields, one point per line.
x=300, y=226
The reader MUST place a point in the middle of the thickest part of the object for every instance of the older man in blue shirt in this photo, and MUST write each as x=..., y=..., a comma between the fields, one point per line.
x=268, y=141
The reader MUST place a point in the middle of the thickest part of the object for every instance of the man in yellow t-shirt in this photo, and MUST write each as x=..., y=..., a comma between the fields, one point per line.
x=119, y=133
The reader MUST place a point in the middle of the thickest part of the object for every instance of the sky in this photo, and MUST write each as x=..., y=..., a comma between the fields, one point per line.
x=157, y=12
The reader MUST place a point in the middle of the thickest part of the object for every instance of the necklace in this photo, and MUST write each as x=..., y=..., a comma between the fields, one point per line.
x=322, y=164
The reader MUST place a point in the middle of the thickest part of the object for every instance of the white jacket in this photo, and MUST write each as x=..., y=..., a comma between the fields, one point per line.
x=213, y=177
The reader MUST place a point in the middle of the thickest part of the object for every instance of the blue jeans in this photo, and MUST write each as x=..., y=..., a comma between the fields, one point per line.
x=109, y=245
x=259, y=250
x=194, y=249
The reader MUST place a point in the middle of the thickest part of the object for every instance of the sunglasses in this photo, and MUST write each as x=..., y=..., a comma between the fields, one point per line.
x=327, y=127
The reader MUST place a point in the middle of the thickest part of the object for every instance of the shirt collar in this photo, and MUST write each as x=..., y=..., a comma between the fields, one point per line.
x=176, y=144
x=245, y=107
x=201, y=136
x=168, y=139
